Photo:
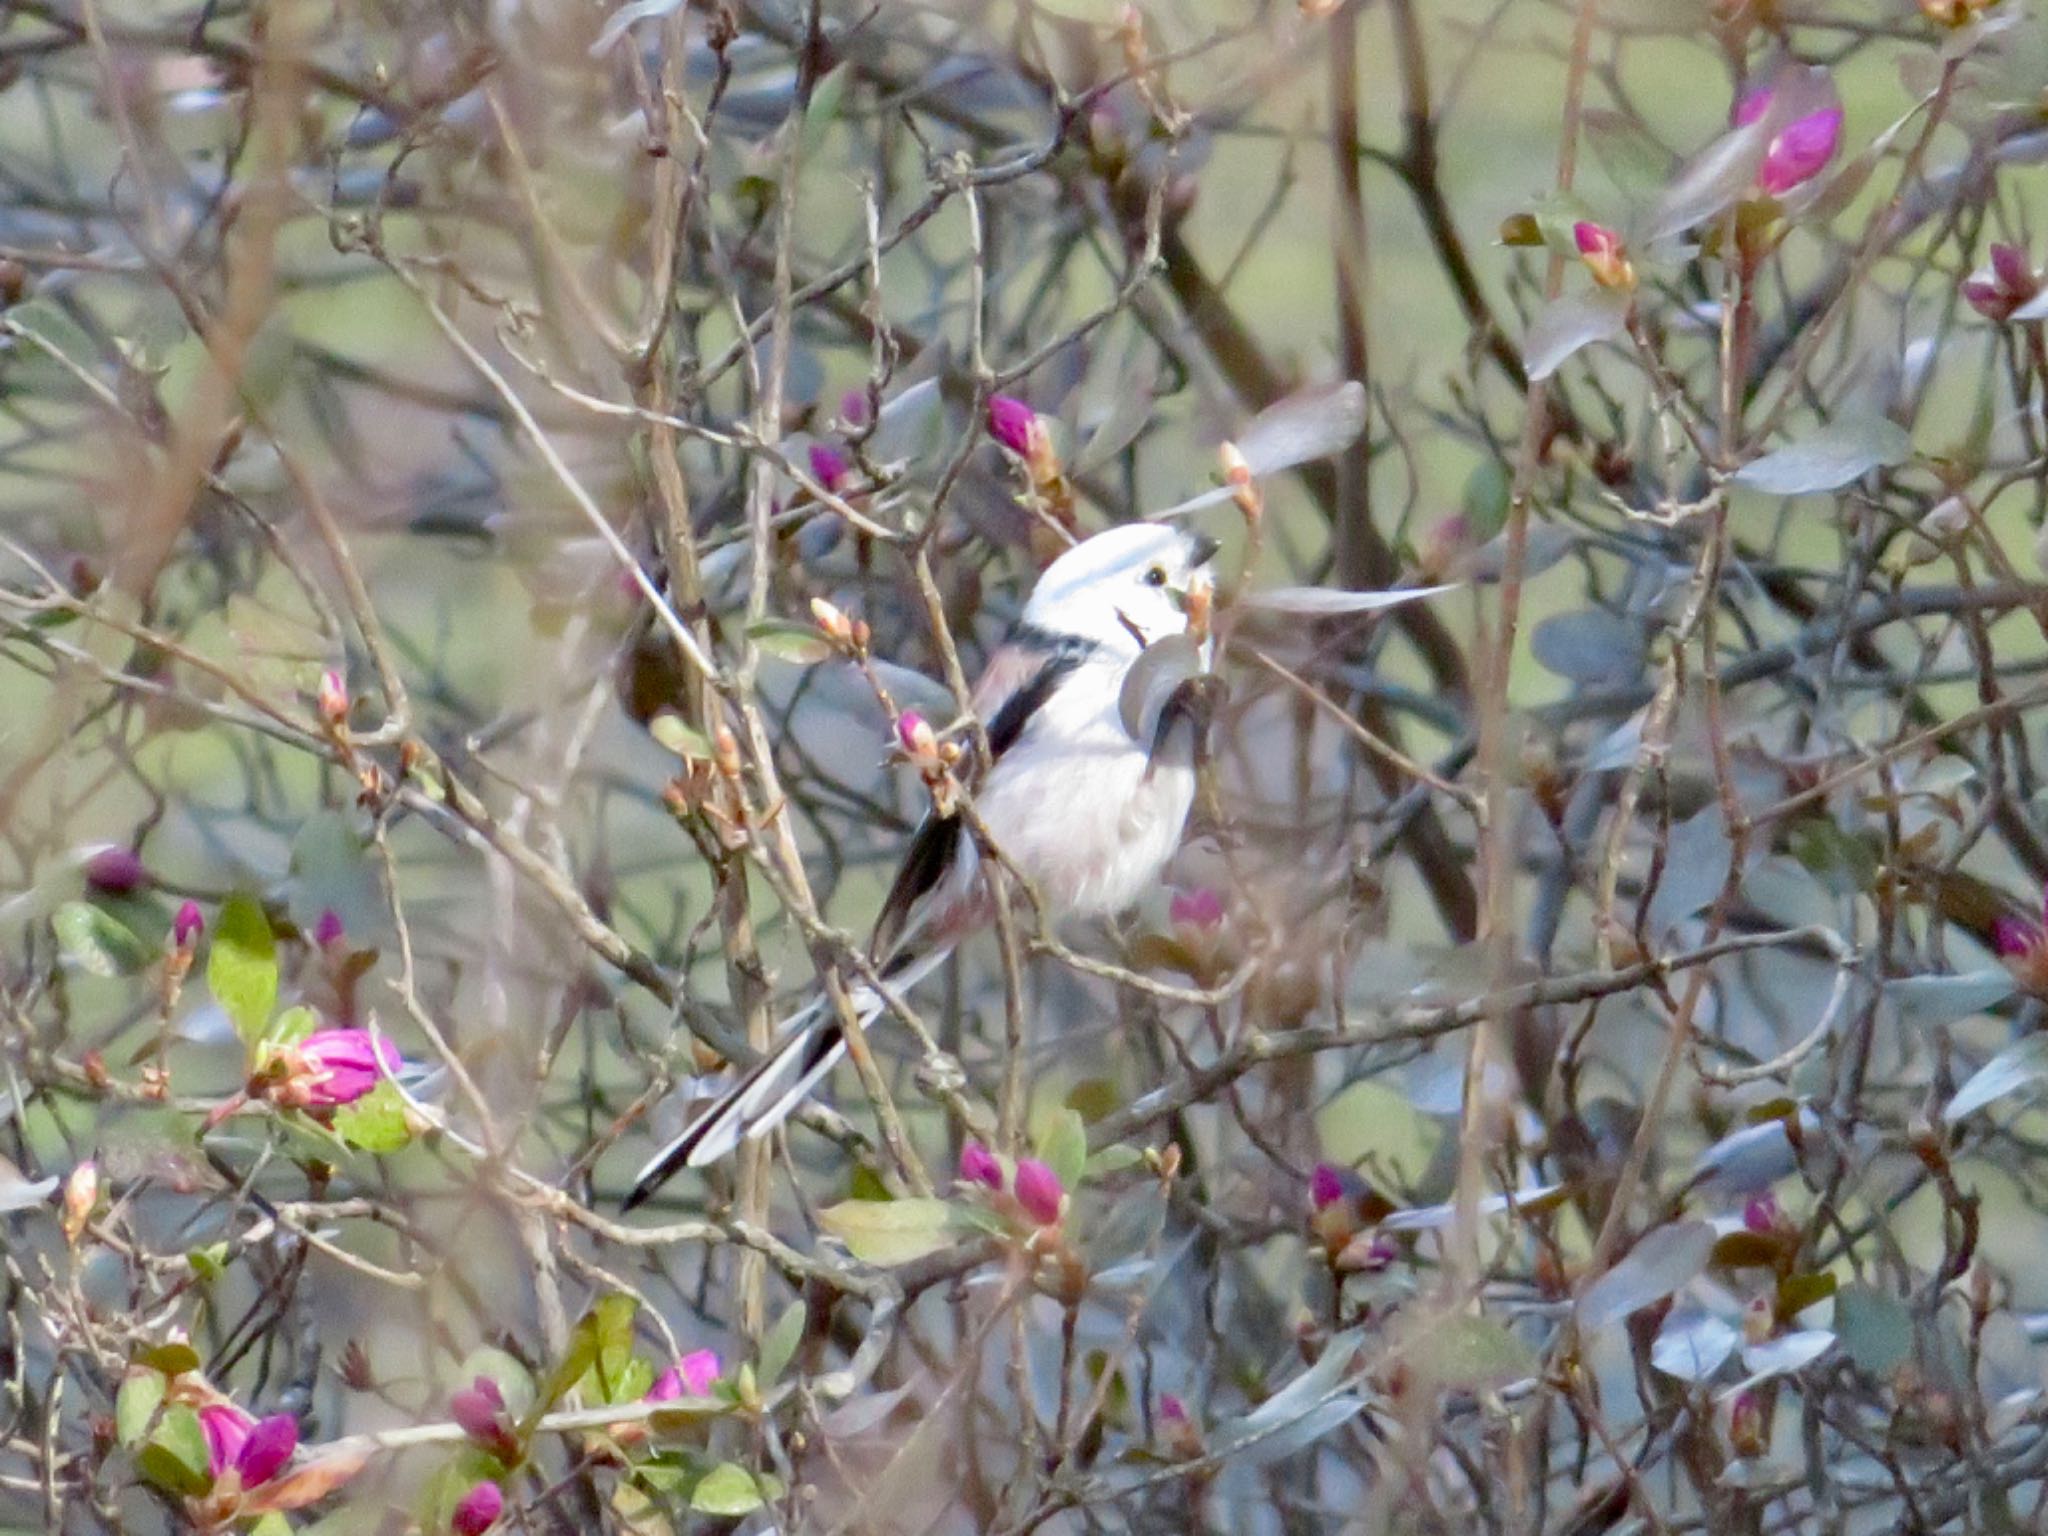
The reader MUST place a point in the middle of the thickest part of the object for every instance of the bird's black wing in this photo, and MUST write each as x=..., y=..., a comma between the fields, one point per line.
x=936, y=843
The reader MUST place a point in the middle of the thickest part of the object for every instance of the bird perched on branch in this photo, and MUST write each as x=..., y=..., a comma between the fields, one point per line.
x=1094, y=708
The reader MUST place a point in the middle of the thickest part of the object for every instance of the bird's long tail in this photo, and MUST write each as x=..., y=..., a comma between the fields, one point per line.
x=808, y=1046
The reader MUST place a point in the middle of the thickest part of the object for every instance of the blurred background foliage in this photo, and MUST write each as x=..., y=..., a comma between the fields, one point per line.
x=353, y=359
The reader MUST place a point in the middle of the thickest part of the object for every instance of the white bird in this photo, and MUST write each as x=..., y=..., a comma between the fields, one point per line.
x=1085, y=795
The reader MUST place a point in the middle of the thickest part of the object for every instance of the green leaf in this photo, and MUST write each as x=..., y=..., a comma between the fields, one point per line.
x=601, y=1346
x=292, y=1026
x=1469, y=1351
x=1844, y=450
x=97, y=941
x=679, y=736
x=210, y=1262
x=1849, y=864
x=889, y=1231
x=612, y=1320
x=779, y=1347
x=242, y=966
x=634, y=1381
x=376, y=1122
x=135, y=1405
x=1114, y=1159
x=272, y=1524
x=727, y=1489
x=1486, y=500
x=1876, y=1329
x=171, y=1359
x=1064, y=1145
x=799, y=643
x=176, y=1458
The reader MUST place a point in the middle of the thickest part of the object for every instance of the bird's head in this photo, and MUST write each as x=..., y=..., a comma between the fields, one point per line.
x=1123, y=589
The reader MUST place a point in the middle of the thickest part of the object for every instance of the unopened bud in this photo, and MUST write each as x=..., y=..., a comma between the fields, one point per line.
x=332, y=699
x=837, y=626
x=1600, y=248
x=727, y=747
x=1237, y=475
x=1749, y=1426
x=81, y=1194
x=915, y=735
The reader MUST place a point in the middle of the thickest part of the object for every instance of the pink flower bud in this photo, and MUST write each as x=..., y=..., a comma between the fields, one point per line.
x=2009, y=265
x=978, y=1165
x=480, y=1409
x=1762, y=1213
x=1752, y=106
x=2009, y=283
x=2013, y=937
x=342, y=1065
x=268, y=1449
x=1799, y=153
x=1200, y=909
x=853, y=408
x=914, y=734
x=1171, y=1409
x=1011, y=422
x=227, y=1431
x=1601, y=250
x=1327, y=1185
x=328, y=931
x=1039, y=1192
x=478, y=1510
x=115, y=871
x=332, y=698
x=829, y=467
x=691, y=1376
x=187, y=925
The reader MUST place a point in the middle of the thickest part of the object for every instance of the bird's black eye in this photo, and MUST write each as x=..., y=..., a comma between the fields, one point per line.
x=1156, y=577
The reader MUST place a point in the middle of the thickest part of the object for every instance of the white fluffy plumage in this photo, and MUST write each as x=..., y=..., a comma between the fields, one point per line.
x=1073, y=800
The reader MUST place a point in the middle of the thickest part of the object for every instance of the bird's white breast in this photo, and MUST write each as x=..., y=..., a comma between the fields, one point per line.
x=1072, y=806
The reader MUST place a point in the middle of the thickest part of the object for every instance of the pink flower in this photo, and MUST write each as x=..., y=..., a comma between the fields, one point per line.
x=480, y=1409
x=691, y=1376
x=478, y=1510
x=1327, y=1184
x=254, y=1449
x=268, y=1450
x=227, y=1431
x=1171, y=1409
x=115, y=871
x=1801, y=149
x=978, y=1165
x=853, y=408
x=187, y=925
x=829, y=467
x=1200, y=909
x=2022, y=944
x=1762, y=1213
x=1039, y=1192
x=1011, y=422
x=2008, y=285
x=328, y=931
x=341, y=1066
x=1602, y=251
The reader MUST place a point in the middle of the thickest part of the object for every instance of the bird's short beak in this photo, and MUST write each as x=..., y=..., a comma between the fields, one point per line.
x=1203, y=548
